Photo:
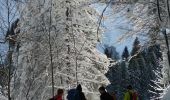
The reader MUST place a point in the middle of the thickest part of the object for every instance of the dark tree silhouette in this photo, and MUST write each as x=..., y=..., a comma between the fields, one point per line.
x=125, y=53
x=108, y=54
x=136, y=46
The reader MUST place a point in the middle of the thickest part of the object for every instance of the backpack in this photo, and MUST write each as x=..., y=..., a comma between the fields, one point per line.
x=71, y=94
x=135, y=96
x=77, y=96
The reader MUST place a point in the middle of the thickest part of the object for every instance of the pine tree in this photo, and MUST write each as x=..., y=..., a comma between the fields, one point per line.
x=117, y=75
x=136, y=46
x=125, y=53
x=110, y=52
x=156, y=78
x=145, y=73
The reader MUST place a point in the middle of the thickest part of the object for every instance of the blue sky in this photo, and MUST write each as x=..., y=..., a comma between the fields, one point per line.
x=112, y=31
x=4, y=22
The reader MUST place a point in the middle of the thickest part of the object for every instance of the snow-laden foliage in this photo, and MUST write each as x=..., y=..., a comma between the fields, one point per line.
x=166, y=95
x=64, y=33
x=143, y=22
x=145, y=64
x=143, y=71
x=60, y=36
x=2, y=97
x=137, y=18
x=146, y=72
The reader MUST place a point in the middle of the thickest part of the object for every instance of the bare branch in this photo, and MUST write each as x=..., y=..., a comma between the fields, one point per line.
x=100, y=19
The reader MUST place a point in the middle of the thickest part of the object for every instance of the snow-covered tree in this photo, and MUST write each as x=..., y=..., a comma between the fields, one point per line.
x=58, y=40
x=145, y=71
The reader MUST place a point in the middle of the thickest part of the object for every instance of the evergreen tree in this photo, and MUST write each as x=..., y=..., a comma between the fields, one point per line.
x=117, y=75
x=125, y=53
x=110, y=52
x=134, y=69
x=136, y=46
x=154, y=61
x=145, y=73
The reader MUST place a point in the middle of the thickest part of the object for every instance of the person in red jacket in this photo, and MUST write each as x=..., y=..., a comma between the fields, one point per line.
x=113, y=94
x=59, y=95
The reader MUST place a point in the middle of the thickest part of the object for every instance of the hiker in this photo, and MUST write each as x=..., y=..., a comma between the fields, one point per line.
x=71, y=94
x=131, y=94
x=59, y=95
x=104, y=95
x=79, y=94
x=76, y=94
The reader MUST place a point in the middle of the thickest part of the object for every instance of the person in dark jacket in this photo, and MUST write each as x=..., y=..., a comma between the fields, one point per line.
x=104, y=95
x=71, y=94
x=79, y=94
